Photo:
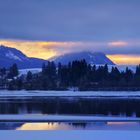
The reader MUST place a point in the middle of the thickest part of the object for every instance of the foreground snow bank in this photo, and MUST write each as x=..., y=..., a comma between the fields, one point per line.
x=70, y=135
x=122, y=94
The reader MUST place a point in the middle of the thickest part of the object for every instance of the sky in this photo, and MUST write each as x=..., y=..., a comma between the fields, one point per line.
x=46, y=28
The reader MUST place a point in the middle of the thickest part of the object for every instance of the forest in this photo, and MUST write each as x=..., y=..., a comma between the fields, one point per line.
x=76, y=75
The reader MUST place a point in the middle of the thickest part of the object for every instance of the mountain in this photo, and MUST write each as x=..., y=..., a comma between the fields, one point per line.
x=90, y=57
x=8, y=56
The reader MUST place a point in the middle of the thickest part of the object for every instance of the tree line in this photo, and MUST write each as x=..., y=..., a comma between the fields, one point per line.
x=76, y=75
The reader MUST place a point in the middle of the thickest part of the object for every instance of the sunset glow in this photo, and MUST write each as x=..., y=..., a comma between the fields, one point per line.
x=32, y=49
x=39, y=49
x=40, y=126
x=48, y=49
x=125, y=59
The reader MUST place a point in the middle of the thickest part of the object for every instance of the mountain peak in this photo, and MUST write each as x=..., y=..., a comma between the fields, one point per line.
x=91, y=58
x=9, y=55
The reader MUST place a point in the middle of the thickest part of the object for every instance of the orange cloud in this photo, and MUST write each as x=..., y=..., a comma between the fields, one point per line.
x=118, y=43
x=40, y=49
x=125, y=59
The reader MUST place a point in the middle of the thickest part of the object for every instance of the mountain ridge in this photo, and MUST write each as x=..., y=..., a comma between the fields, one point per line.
x=9, y=55
x=97, y=58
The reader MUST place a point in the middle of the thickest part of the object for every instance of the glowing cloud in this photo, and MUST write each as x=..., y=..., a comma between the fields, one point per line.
x=118, y=43
x=40, y=49
x=125, y=59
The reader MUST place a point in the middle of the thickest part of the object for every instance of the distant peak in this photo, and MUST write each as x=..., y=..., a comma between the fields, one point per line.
x=90, y=57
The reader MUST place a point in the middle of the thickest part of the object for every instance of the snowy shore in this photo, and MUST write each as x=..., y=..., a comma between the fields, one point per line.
x=70, y=135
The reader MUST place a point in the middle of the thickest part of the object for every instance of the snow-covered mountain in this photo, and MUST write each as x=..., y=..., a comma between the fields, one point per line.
x=8, y=56
x=91, y=58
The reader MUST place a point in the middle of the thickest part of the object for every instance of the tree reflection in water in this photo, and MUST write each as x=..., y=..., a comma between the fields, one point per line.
x=88, y=106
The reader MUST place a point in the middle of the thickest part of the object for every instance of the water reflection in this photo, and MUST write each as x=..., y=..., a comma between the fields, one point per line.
x=44, y=126
x=103, y=106
x=77, y=106
x=72, y=126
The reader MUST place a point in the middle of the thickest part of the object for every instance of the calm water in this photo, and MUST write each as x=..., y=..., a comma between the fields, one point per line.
x=76, y=106
x=72, y=126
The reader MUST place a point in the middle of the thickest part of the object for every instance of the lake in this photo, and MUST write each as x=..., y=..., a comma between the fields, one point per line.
x=114, y=106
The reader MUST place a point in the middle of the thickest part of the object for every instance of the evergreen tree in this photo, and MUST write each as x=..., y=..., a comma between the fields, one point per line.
x=137, y=76
x=114, y=76
x=128, y=76
x=13, y=71
x=29, y=76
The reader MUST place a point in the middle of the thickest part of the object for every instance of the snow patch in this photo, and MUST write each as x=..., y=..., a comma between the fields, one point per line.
x=12, y=56
x=33, y=70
